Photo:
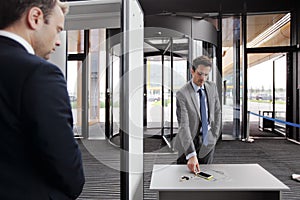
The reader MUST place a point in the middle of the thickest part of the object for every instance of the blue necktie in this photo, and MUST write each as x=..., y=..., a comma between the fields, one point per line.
x=203, y=115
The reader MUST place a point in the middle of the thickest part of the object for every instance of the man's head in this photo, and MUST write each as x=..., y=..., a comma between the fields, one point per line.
x=38, y=21
x=200, y=69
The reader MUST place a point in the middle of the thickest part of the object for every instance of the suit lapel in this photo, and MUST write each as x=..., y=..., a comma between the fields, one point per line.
x=191, y=92
x=208, y=97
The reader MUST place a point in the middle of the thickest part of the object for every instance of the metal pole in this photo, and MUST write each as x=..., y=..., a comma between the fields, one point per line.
x=248, y=139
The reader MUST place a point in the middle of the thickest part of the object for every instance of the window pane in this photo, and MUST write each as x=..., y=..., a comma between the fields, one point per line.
x=75, y=42
x=268, y=30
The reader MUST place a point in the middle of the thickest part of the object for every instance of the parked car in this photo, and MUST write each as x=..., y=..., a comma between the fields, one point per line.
x=263, y=97
x=154, y=99
x=72, y=98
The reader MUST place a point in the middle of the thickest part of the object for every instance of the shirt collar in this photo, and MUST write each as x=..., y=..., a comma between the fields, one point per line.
x=18, y=39
x=196, y=87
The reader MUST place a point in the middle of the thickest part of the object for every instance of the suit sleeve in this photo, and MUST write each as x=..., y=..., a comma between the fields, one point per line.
x=184, y=133
x=49, y=124
x=218, y=113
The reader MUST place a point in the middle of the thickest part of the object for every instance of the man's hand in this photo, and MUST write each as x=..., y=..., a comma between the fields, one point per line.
x=193, y=164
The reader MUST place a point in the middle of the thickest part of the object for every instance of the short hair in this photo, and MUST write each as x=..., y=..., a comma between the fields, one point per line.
x=201, y=60
x=64, y=6
x=12, y=10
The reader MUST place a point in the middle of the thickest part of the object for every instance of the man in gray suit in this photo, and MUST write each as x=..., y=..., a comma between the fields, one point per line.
x=195, y=101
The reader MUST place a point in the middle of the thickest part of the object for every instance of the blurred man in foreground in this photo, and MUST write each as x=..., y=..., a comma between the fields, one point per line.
x=39, y=157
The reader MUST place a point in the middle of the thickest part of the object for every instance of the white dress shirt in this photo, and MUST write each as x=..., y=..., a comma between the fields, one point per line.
x=18, y=39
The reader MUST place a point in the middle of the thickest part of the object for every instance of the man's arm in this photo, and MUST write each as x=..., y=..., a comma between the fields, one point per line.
x=49, y=124
x=184, y=133
x=218, y=113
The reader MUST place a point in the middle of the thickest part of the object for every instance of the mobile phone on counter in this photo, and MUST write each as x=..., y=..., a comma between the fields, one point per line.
x=204, y=175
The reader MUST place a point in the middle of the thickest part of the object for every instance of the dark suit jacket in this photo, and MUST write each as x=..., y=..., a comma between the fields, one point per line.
x=189, y=120
x=39, y=158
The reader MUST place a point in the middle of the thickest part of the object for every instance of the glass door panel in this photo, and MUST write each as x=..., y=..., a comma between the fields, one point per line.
x=113, y=95
x=260, y=90
x=160, y=75
x=97, y=80
x=167, y=88
x=166, y=72
x=265, y=71
x=115, y=91
x=180, y=73
x=74, y=79
x=154, y=91
x=231, y=78
x=280, y=69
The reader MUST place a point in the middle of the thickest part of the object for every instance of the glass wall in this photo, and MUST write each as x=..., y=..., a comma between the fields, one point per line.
x=267, y=72
x=74, y=77
x=166, y=73
x=97, y=77
x=231, y=78
x=95, y=87
x=264, y=94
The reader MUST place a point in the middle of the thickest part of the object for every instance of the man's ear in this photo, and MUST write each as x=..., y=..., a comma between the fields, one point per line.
x=35, y=18
x=191, y=70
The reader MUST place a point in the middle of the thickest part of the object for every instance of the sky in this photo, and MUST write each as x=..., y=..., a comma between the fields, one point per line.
x=261, y=75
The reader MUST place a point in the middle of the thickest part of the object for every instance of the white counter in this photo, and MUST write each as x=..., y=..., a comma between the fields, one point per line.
x=231, y=181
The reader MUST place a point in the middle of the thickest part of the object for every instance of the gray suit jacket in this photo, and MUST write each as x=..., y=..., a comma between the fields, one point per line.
x=189, y=120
